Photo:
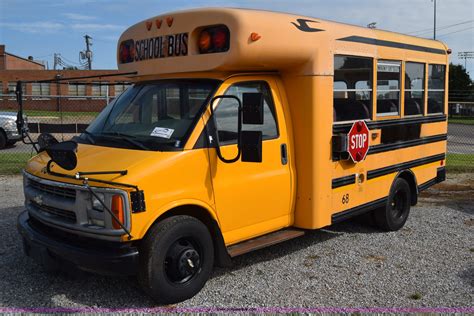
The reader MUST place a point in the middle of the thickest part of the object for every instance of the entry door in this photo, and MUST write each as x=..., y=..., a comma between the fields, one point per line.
x=251, y=198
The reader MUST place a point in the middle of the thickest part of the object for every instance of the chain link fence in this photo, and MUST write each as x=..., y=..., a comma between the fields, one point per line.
x=68, y=116
x=461, y=135
x=62, y=116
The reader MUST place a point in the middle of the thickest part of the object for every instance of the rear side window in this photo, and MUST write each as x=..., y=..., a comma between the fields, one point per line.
x=226, y=113
x=388, y=87
x=414, y=88
x=352, y=88
x=436, y=77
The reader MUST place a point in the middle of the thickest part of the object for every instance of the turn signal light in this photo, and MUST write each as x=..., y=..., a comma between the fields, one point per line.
x=117, y=209
x=214, y=39
x=204, y=41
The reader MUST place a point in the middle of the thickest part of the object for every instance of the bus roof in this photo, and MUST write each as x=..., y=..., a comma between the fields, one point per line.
x=259, y=41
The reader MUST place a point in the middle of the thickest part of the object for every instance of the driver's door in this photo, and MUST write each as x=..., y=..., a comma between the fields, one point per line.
x=251, y=198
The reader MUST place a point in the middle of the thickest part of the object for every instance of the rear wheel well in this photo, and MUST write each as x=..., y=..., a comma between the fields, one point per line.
x=221, y=256
x=410, y=177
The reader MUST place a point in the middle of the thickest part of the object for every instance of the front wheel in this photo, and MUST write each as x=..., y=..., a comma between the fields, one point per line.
x=177, y=257
x=393, y=216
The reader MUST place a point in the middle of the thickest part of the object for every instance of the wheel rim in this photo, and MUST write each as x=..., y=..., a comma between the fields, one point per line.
x=182, y=261
x=398, y=204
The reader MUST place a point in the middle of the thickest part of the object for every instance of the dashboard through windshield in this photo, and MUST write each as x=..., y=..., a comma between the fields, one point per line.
x=158, y=115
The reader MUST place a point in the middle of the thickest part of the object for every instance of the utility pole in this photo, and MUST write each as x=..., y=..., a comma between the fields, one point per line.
x=434, y=26
x=88, y=52
x=55, y=61
x=465, y=56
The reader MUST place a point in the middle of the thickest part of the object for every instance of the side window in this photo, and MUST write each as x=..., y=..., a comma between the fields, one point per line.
x=414, y=88
x=388, y=87
x=436, y=77
x=226, y=113
x=352, y=88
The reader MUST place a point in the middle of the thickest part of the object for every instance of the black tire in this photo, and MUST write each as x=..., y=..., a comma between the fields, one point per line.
x=11, y=143
x=176, y=259
x=394, y=215
x=3, y=139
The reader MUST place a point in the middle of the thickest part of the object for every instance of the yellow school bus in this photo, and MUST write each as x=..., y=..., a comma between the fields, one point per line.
x=242, y=129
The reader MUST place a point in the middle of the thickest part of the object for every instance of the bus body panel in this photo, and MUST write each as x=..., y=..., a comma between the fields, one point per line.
x=253, y=198
x=167, y=178
x=302, y=64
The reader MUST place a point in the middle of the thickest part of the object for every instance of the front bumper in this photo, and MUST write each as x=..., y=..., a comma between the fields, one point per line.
x=13, y=136
x=54, y=248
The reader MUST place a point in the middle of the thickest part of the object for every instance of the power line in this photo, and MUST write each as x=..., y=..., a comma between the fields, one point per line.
x=472, y=27
x=439, y=28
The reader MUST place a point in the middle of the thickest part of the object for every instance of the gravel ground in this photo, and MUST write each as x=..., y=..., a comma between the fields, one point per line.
x=429, y=263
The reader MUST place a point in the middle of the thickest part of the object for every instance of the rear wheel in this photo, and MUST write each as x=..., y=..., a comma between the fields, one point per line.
x=177, y=257
x=3, y=139
x=393, y=216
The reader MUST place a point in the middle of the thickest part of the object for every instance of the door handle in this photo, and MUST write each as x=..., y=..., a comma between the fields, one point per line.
x=284, y=154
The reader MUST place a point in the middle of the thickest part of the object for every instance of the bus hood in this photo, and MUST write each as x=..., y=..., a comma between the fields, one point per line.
x=90, y=158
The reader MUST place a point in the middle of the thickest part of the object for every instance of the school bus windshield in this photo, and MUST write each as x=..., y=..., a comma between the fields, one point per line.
x=152, y=115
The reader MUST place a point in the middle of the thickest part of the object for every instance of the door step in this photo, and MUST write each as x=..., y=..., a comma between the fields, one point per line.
x=264, y=241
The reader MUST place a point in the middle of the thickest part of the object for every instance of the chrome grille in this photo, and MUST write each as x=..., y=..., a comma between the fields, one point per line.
x=63, y=214
x=50, y=189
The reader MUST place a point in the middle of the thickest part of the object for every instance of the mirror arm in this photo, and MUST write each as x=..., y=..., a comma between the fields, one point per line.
x=239, y=128
x=20, y=122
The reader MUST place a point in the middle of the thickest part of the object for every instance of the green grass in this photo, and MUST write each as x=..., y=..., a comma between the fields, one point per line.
x=460, y=162
x=13, y=163
x=465, y=120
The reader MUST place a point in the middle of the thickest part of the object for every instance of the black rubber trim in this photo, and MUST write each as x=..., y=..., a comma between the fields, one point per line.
x=426, y=185
x=405, y=144
x=440, y=174
x=52, y=248
x=440, y=177
x=402, y=166
x=377, y=42
x=342, y=181
x=344, y=128
x=358, y=210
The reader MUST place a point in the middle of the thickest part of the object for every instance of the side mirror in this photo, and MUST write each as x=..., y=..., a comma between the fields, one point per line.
x=251, y=143
x=252, y=108
x=46, y=140
x=64, y=154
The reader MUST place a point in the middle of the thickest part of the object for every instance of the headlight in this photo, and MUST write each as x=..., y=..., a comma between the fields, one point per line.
x=96, y=204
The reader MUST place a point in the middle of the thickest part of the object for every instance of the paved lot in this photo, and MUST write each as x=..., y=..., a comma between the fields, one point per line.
x=429, y=263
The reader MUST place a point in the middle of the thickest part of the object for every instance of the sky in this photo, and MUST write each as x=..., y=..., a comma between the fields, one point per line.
x=43, y=27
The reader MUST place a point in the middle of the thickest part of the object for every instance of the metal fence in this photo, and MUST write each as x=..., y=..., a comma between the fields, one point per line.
x=62, y=116
x=461, y=135
x=68, y=116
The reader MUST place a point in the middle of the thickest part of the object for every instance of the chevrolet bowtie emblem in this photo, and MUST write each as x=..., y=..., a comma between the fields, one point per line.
x=38, y=199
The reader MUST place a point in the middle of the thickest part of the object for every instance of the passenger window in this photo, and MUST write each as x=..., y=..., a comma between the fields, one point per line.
x=436, y=77
x=414, y=88
x=226, y=113
x=388, y=87
x=352, y=88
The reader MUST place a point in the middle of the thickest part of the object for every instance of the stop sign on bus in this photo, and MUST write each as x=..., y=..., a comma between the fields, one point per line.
x=358, y=141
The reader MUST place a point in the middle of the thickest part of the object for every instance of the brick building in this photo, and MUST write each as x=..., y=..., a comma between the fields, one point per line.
x=73, y=95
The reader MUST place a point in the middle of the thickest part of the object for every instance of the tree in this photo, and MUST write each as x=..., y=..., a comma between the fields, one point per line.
x=460, y=84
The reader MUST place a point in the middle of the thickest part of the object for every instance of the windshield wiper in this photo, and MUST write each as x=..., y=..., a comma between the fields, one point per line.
x=127, y=138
